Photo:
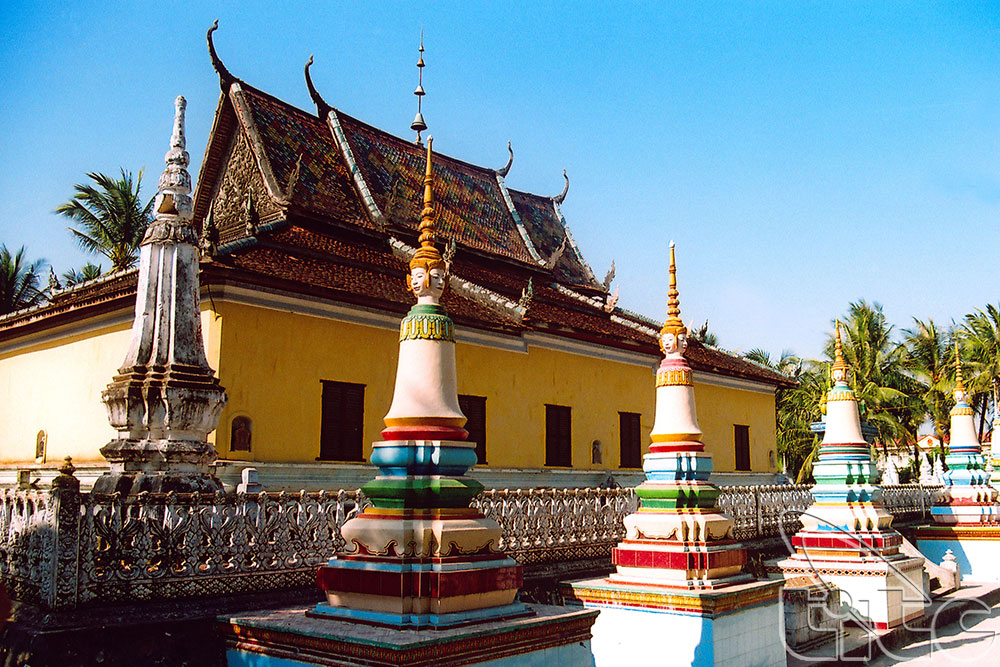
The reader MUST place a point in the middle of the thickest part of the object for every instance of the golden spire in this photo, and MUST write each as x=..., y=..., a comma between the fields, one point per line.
x=427, y=254
x=673, y=324
x=838, y=361
x=959, y=385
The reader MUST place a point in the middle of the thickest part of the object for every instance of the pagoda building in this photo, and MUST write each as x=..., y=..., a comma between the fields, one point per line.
x=679, y=579
x=846, y=538
x=966, y=513
x=305, y=221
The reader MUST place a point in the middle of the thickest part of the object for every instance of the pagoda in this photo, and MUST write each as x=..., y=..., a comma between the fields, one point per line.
x=966, y=514
x=679, y=579
x=846, y=538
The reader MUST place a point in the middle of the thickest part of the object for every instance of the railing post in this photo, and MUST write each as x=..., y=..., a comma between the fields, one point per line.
x=63, y=588
x=759, y=510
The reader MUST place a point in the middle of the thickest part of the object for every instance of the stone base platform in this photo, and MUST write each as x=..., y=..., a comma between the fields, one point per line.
x=880, y=593
x=734, y=626
x=976, y=548
x=288, y=638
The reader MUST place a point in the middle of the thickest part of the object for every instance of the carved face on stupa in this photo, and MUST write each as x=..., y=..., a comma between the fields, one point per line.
x=839, y=375
x=427, y=283
x=673, y=344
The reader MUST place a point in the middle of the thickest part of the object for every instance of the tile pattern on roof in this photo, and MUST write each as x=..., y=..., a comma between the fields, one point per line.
x=470, y=205
x=547, y=233
x=324, y=185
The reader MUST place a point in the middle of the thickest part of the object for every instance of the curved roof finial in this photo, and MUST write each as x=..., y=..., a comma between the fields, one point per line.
x=418, y=125
x=322, y=108
x=226, y=79
x=503, y=171
x=561, y=197
x=673, y=324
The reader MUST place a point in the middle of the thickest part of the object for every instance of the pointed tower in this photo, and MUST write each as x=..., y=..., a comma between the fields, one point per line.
x=966, y=516
x=165, y=399
x=846, y=539
x=427, y=559
x=679, y=579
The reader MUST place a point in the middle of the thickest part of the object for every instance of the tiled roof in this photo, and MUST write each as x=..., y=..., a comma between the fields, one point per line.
x=538, y=214
x=324, y=185
x=470, y=205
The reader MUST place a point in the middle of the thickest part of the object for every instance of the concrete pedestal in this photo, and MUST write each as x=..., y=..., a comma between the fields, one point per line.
x=737, y=626
x=976, y=549
x=881, y=592
x=288, y=638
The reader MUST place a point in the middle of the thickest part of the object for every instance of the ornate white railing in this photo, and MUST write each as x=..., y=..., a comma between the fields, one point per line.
x=544, y=525
x=761, y=511
x=60, y=548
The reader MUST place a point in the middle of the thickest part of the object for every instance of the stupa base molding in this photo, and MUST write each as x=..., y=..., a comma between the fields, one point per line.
x=976, y=548
x=289, y=638
x=882, y=592
x=647, y=624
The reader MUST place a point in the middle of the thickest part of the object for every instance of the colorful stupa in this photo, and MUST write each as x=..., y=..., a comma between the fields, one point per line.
x=679, y=559
x=420, y=557
x=846, y=538
x=966, y=514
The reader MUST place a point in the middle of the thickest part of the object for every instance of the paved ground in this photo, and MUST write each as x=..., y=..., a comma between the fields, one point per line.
x=972, y=640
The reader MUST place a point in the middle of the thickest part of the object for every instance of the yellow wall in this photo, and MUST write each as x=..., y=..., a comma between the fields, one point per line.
x=278, y=387
x=56, y=386
x=271, y=363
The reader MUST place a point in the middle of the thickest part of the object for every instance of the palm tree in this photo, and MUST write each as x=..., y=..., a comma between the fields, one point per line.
x=111, y=217
x=981, y=337
x=88, y=272
x=882, y=387
x=19, y=281
x=929, y=360
x=796, y=407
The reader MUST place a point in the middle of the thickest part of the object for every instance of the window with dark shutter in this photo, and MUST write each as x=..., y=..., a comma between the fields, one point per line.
x=558, y=436
x=631, y=449
x=474, y=409
x=741, y=436
x=342, y=422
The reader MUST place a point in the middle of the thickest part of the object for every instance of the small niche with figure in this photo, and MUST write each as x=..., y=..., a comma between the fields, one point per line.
x=240, y=435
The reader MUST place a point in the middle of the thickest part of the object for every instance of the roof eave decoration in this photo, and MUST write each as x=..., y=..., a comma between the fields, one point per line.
x=504, y=170
x=556, y=202
x=226, y=78
x=340, y=138
x=322, y=108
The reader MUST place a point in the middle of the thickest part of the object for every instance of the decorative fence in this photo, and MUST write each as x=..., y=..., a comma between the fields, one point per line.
x=61, y=549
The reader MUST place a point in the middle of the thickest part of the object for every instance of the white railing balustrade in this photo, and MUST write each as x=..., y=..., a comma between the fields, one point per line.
x=61, y=549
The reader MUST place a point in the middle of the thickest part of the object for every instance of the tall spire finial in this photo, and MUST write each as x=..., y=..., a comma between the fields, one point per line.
x=959, y=385
x=674, y=324
x=174, y=195
x=418, y=125
x=838, y=356
x=427, y=254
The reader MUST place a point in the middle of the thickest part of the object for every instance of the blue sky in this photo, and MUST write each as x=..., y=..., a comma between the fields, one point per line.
x=802, y=155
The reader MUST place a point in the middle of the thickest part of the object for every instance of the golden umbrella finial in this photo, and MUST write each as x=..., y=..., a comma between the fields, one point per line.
x=838, y=360
x=959, y=385
x=427, y=254
x=674, y=324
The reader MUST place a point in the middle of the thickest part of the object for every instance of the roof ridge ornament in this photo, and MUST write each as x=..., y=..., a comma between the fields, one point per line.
x=609, y=277
x=561, y=197
x=551, y=262
x=418, y=125
x=504, y=170
x=226, y=78
x=322, y=108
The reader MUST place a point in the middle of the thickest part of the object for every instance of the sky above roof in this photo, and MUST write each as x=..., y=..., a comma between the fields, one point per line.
x=802, y=155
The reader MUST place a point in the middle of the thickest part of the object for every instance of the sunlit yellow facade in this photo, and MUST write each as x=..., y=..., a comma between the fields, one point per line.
x=272, y=353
